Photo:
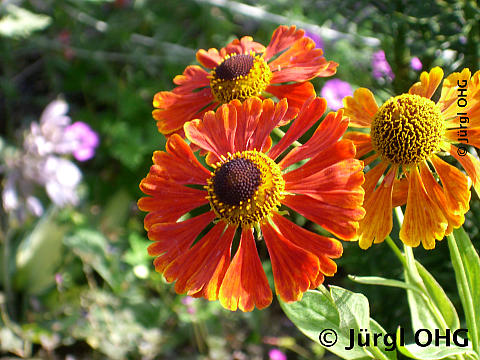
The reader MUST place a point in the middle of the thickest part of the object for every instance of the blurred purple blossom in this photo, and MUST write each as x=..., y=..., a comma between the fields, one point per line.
x=40, y=163
x=188, y=302
x=416, y=64
x=86, y=140
x=334, y=91
x=316, y=38
x=380, y=67
x=276, y=354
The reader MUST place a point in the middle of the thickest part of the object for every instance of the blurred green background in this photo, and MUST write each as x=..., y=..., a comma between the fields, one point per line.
x=78, y=283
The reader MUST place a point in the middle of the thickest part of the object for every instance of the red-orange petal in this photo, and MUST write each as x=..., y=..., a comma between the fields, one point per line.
x=204, y=264
x=176, y=109
x=361, y=108
x=325, y=248
x=210, y=59
x=339, y=151
x=248, y=118
x=174, y=238
x=193, y=78
x=428, y=83
x=178, y=163
x=216, y=132
x=282, y=38
x=296, y=94
x=377, y=223
x=326, y=134
x=341, y=222
x=339, y=184
x=301, y=62
x=424, y=221
x=243, y=46
x=272, y=115
x=294, y=269
x=310, y=112
x=245, y=284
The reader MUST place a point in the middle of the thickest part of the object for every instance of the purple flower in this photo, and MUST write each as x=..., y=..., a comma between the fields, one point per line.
x=381, y=67
x=416, y=64
x=86, y=140
x=334, y=91
x=316, y=38
x=276, y=354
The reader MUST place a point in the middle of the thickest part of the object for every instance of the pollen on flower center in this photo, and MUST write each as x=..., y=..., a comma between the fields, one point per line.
x=239, y=77
x=407, y=129
x=245, y=188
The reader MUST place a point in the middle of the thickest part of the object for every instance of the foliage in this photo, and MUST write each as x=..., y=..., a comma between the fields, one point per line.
x=79, y=282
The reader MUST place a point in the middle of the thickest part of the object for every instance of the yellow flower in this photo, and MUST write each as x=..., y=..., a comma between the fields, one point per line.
x=408, y=134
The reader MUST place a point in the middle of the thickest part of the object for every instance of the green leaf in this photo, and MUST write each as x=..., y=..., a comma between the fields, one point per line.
x=39, y=255
x=91, y=247
x=466, y=264
x=342, y=312
x=436, y=294
x=424, y=313
x=433, y=352
x=377, y=280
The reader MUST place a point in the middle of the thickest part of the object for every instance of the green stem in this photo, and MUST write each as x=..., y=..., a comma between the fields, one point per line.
x=280, y=133
x=396, y=250
x=464, y=291
x=412, y=271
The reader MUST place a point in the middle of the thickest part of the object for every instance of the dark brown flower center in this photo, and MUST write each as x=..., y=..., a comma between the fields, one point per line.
x=234, y=67
x=236, y=181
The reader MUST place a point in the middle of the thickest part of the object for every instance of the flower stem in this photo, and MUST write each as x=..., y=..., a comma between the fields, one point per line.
x=465, y=293
x=396, y=250
x=280, y=133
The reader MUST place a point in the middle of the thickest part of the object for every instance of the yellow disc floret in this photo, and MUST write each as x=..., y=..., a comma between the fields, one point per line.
x=245, y=188
x=407, y=129
x=239, y=77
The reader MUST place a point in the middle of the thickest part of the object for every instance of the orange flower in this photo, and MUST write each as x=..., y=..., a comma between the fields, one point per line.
x=408, y=134
x=244, y=190
x=240, y=70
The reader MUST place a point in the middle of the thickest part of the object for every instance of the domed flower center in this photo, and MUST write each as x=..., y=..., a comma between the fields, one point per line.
x=236, y=181
x=407, y=129
x=245, y=188
x=239, y=77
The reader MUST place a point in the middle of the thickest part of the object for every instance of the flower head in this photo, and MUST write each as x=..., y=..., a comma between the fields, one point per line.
x=244, y=189
x=84, y=138
x=39, y=162
x=276, y=354
x=416, y=64
x=380, y=67
x=334, y=91
x=408, y=136
x=240, y=70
